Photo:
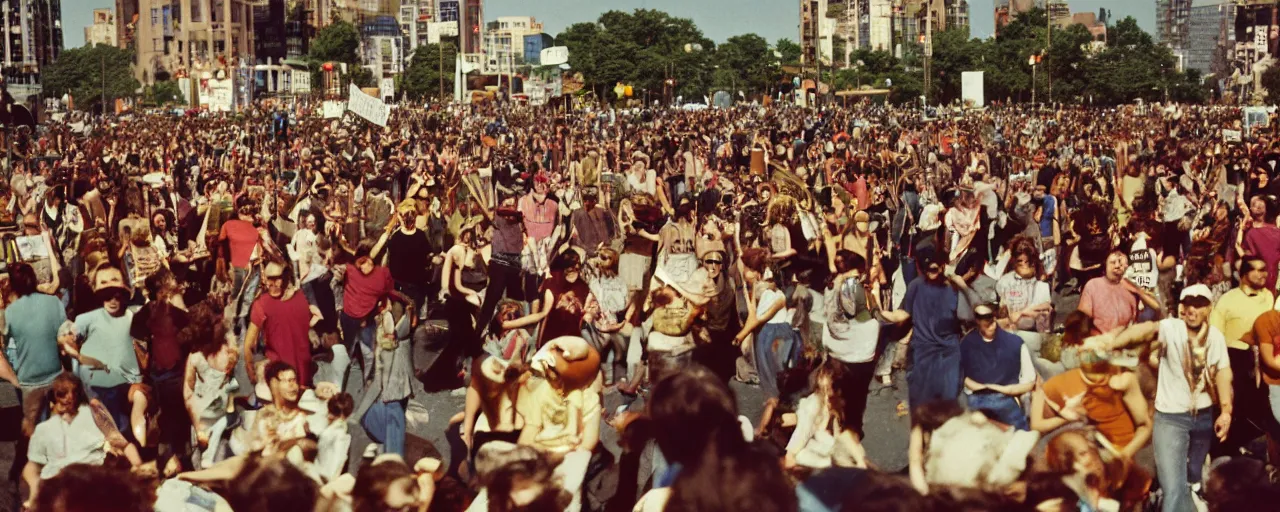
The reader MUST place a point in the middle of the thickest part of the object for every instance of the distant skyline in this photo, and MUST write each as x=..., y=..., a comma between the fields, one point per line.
x=718, y=19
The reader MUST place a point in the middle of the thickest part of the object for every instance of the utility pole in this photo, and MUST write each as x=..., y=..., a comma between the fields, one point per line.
x=1049, y=44
x=102, y=60
x=928, y=50
x=440, y=52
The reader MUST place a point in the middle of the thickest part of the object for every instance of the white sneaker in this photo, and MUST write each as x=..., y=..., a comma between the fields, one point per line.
x=372, y=450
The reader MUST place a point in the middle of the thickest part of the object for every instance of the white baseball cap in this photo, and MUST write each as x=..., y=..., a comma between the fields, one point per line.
x=1197, y=290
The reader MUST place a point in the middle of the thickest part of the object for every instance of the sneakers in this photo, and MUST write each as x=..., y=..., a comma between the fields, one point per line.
x=373, y=450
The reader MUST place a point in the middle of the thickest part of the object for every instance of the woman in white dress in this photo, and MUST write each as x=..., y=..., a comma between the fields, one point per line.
x=209, y=383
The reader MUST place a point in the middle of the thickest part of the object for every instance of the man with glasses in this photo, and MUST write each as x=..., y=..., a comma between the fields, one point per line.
x=103, y=346
x=285, y=316
x=997, y=369
x=1234, y=316
x=720, y=312
x=1111, y=300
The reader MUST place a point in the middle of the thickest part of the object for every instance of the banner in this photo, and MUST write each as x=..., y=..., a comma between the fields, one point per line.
x=333, y=109
x=972, y=91
x=366, y=106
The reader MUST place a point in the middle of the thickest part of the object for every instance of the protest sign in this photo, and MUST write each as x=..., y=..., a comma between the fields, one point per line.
x=368, y=107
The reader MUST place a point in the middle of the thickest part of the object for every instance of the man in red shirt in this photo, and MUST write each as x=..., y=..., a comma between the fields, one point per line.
x=241, y=237
x=364, y=286
x=285, y=316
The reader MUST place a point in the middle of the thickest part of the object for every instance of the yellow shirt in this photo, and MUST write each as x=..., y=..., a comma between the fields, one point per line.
x=1235, y=312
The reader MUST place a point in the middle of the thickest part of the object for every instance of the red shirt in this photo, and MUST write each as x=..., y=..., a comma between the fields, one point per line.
x=284, y=324
x=244, y=237
x=362, y=292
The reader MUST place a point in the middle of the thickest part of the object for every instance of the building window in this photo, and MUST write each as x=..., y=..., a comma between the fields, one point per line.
x=155, y=16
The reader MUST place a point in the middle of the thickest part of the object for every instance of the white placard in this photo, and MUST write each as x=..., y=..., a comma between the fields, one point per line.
x=387, y=88
x=1260, y=39
x=334, y=109
x=1255, y=116
x=972, y=88
x=555, y=55
x=1231, y=135
x=301, y=81
x=217, y=95
x=366, y=106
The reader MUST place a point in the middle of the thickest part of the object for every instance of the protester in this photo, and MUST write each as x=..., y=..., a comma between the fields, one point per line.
x=756, y=257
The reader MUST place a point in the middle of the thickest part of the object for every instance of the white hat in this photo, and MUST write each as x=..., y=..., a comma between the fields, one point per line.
x=1197, y=290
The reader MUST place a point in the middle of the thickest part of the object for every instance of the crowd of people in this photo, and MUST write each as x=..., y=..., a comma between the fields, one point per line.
x=200, y=310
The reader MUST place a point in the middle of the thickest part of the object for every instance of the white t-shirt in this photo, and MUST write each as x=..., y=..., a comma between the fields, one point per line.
x=56, y=444
x=1173, y=392
x=1019, y=294
x=851, y=341
x=768, y=298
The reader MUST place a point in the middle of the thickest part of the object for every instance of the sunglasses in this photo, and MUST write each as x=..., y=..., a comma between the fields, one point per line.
x=712, y=262
x=273, y=278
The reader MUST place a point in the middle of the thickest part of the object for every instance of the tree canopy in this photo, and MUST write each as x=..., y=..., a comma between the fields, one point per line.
x=422, y=78
x=646, y=48
x=80, y=72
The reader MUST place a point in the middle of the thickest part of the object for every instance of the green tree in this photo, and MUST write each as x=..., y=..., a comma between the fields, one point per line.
x=1271, y=83
x=790, y=51
x=422, y=78
x=643, y=48
x=161, y=93
x=80, y=72
x=339, y=42
x=751, y=59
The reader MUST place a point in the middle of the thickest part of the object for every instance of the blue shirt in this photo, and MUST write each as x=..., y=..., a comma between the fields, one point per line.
x=107, y=339
x=33, y=322
x=933, y=312
x=1046, y=218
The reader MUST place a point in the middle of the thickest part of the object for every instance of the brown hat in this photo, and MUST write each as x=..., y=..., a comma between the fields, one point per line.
x=109, y=278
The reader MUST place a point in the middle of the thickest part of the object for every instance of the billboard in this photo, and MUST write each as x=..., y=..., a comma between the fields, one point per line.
x=555, y=55
x=441, y=29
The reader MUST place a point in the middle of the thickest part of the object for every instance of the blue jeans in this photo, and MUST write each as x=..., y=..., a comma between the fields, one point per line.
x=384, y=421
x=771, y=357
x=116, y=400
x=356, y=337
x=1181, y=442
x=1001, y=407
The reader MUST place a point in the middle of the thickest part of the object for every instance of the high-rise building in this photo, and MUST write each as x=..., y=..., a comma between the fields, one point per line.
x=504, y=41
x=415, y=20
x=174, y=38
x=471, y=26
x=1172, y=17
x=1257, y=31
x=103, y=29
x=1211, y=36
x=447, y=10
x=268, y=26
x=34, y=30
x=383, y=46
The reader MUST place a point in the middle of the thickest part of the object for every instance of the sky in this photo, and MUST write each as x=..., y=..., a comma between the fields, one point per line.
x=718, y=19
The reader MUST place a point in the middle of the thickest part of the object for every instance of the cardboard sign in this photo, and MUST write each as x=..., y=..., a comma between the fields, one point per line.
x=368, y=107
